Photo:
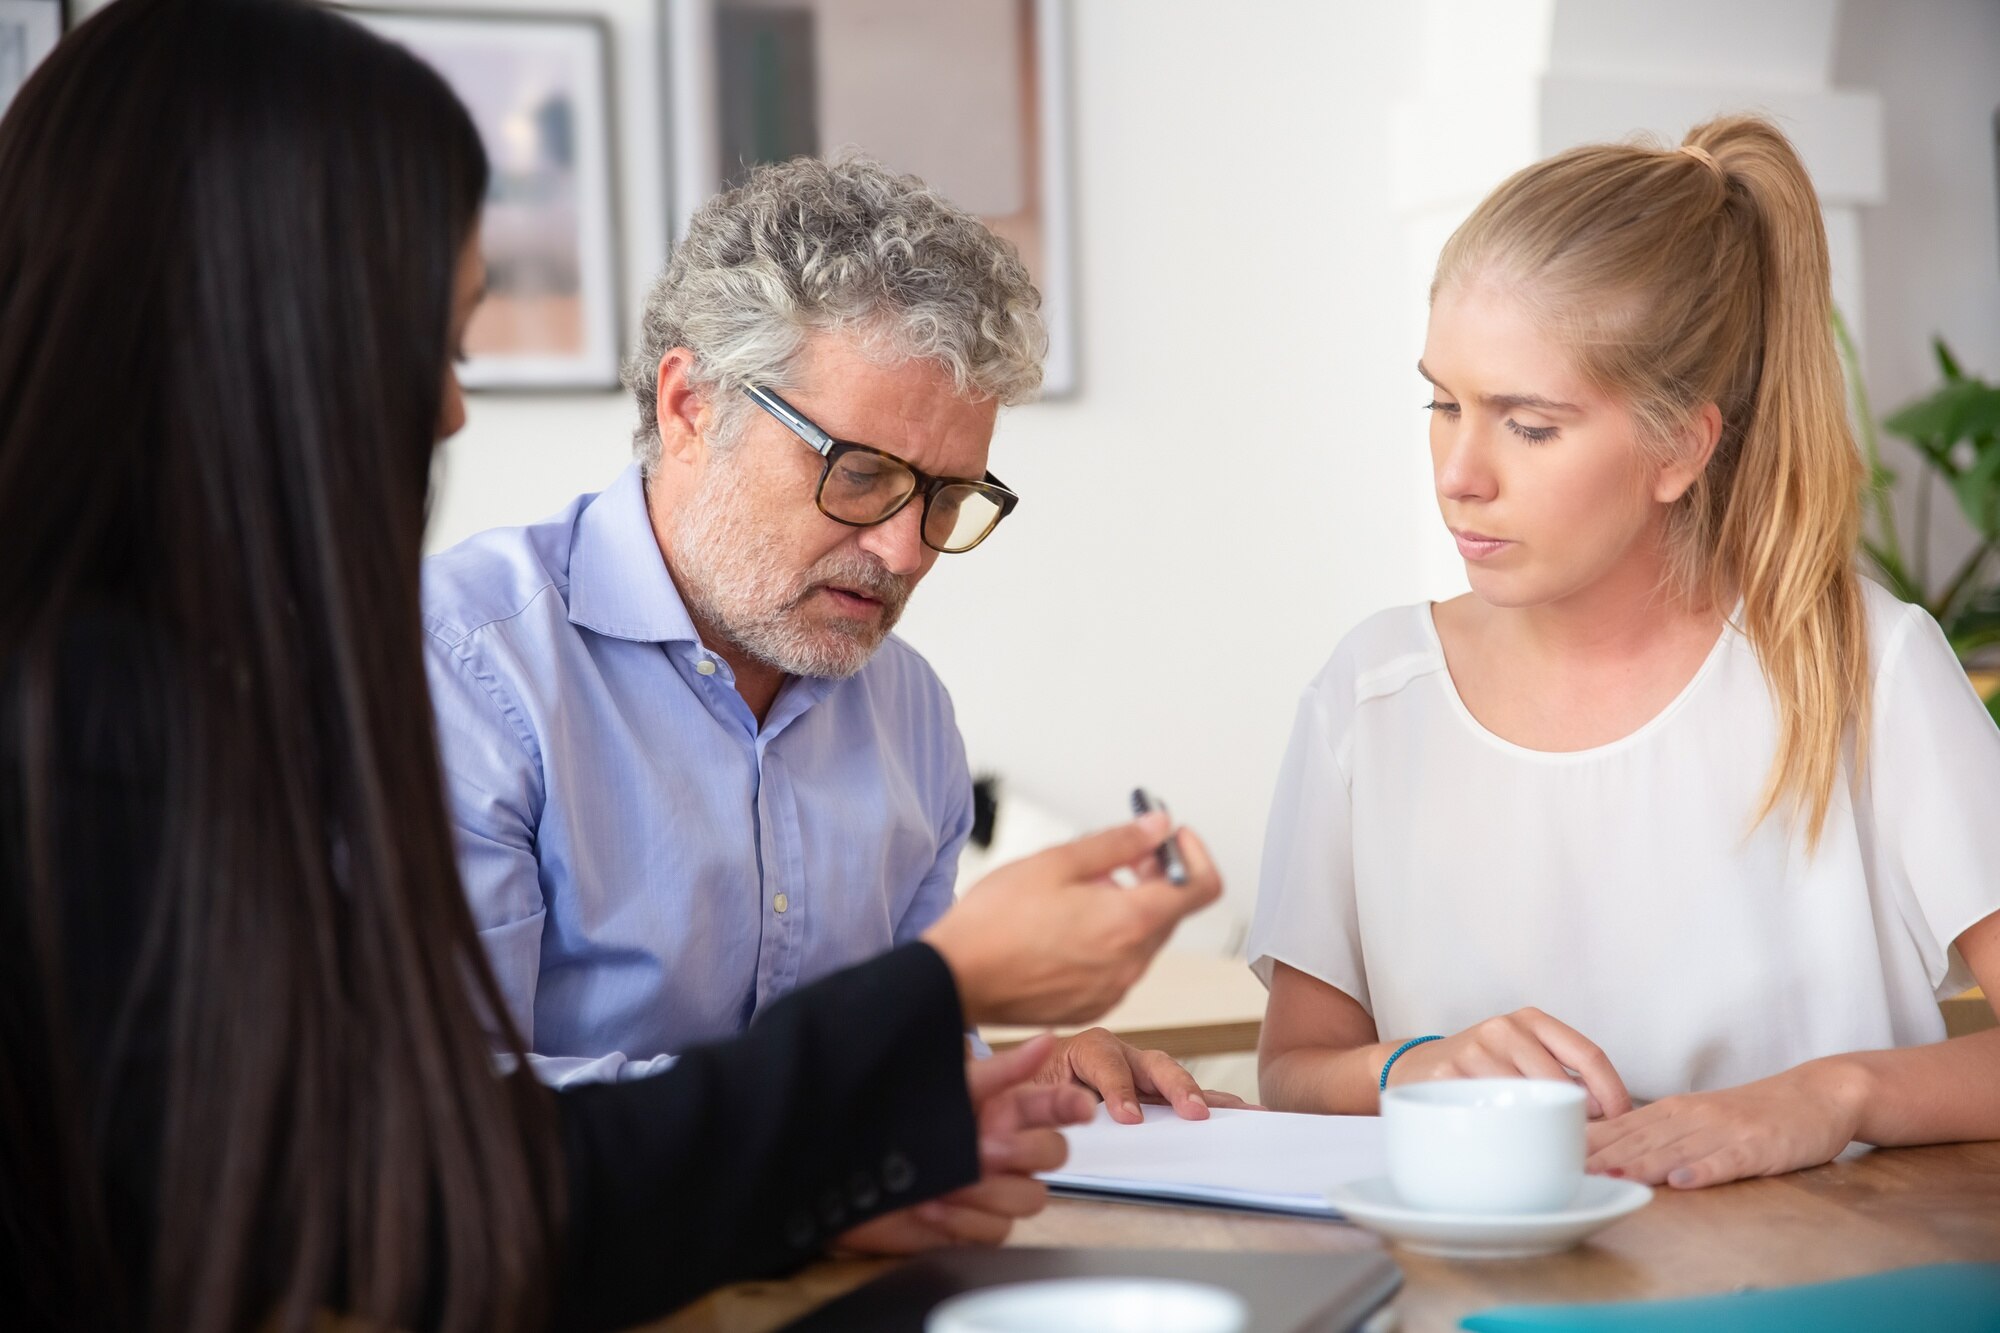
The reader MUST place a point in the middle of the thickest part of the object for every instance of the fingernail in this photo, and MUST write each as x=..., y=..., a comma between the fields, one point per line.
x=1197, y=1099
x=1596, y=1111
x=997, y=1150
x=1680, y=1177
x=931, y=1213
x=1131, y=1109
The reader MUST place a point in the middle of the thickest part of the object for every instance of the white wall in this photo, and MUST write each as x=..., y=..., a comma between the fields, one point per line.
x=1933, y=245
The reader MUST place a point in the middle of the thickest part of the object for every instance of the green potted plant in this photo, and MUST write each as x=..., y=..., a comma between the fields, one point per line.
x=1956, y=432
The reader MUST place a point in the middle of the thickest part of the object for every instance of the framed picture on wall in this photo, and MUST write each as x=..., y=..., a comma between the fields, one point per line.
x=972, y=96
x=538, y=88
x=29, y=30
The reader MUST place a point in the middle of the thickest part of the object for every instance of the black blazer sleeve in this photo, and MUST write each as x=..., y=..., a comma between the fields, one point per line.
x=843, y=1101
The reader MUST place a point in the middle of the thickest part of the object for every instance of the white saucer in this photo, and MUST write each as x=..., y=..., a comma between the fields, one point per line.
x=1374, y=1204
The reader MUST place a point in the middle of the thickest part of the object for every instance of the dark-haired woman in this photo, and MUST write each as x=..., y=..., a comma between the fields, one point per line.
x=243, y=1063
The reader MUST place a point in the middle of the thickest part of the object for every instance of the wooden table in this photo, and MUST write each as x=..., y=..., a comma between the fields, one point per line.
x=1888, y=1209
x=1187, y=1005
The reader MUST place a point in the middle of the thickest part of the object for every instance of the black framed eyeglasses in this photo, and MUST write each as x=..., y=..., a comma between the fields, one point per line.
x=862, y=486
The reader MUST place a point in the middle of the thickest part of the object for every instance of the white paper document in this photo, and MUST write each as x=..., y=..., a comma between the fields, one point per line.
x=1270, y=1160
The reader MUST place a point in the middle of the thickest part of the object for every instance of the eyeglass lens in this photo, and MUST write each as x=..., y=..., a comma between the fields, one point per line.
x=865, y=488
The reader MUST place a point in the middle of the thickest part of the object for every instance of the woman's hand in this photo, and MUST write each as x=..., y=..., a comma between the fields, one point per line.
x=1020, y=1123
x=1800, y=1118
x=1524, y=1044
x=1122, y=1076
x=1051, y=939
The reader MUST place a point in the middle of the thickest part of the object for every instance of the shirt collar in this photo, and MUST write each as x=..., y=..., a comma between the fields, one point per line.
x=618, y=580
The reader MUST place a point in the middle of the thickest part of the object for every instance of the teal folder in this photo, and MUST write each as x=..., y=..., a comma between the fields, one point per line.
x=1938, y=1298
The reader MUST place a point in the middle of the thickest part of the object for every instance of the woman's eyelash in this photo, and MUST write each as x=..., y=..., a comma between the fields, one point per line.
x=1532, y=434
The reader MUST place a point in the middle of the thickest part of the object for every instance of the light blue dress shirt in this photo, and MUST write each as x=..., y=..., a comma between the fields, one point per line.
x=647, y=867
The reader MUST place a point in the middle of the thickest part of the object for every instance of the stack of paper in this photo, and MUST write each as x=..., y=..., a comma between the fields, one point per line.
x=1267, y=1160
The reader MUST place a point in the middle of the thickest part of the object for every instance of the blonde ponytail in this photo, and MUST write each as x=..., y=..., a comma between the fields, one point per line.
x=1792, y=520
x=1682, y=278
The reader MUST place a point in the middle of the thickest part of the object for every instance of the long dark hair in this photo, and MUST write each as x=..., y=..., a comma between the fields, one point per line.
x=227, y=249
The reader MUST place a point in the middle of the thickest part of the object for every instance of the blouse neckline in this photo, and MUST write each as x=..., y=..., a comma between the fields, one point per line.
x=1427, y=613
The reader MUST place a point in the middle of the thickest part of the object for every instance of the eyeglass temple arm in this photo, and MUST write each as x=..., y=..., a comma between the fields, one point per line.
x=817, y=439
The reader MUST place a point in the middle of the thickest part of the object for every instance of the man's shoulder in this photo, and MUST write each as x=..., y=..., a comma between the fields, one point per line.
x=499, y=575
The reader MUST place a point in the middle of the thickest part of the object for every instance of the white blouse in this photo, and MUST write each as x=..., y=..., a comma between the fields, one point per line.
x=1440, y=875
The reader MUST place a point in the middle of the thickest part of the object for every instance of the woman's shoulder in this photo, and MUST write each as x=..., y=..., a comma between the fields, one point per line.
x=1893, y=625
x=1910, y=661
x=1380, y=656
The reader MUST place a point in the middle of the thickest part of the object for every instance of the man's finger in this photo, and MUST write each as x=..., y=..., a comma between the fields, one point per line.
x=1227, y=1101
x=1100, y=853
x=1160, y=1074
x=1101, y=1067
x=986, y=1078
x=1167, y=902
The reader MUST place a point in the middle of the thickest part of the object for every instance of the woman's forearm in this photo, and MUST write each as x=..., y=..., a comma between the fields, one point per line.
x=1325, y=1080
x=1947, y=1092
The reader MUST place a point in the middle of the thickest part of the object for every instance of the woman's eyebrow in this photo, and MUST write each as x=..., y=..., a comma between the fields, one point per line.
x=1504, y=401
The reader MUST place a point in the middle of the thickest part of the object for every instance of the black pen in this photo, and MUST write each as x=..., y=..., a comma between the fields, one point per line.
x=1169, y=853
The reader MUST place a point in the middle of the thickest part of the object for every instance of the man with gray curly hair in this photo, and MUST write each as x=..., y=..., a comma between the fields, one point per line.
x=690, y=767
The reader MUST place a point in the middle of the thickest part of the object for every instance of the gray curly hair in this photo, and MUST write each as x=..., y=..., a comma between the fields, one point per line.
x=805, y=247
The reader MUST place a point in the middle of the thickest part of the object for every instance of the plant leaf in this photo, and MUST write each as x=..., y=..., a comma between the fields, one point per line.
x=1935, y=422
x=1978, y=491
x=1947, y=363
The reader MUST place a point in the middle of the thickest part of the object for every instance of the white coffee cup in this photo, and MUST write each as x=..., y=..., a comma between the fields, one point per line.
x=1485, y=1145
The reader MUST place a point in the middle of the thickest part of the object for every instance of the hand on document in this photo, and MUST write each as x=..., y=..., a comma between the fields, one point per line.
x=1123, y=1076
x=1052, y=939
x=1019, y=1135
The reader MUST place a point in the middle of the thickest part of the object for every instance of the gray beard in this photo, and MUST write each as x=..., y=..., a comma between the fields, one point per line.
x=736, y=587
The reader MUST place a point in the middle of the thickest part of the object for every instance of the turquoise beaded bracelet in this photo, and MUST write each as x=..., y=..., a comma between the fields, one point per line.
x=1383, y=1086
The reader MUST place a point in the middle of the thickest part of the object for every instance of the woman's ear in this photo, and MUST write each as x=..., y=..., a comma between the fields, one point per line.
x=679, y=411
x=1697, y=443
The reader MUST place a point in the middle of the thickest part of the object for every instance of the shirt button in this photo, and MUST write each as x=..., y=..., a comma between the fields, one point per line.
x=705, y=667
x=780, y=903
x=898, y=1173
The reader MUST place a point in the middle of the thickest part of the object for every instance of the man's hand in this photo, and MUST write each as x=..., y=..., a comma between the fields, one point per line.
x=1123, y=1076
x=1802, y=1117
x=1052, y=939
x=1019, y=1135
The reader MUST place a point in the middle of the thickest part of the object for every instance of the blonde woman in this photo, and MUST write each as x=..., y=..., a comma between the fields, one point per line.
x=1675, y=801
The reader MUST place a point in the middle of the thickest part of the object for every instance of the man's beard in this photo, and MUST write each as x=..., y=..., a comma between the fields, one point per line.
x=736, y=587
